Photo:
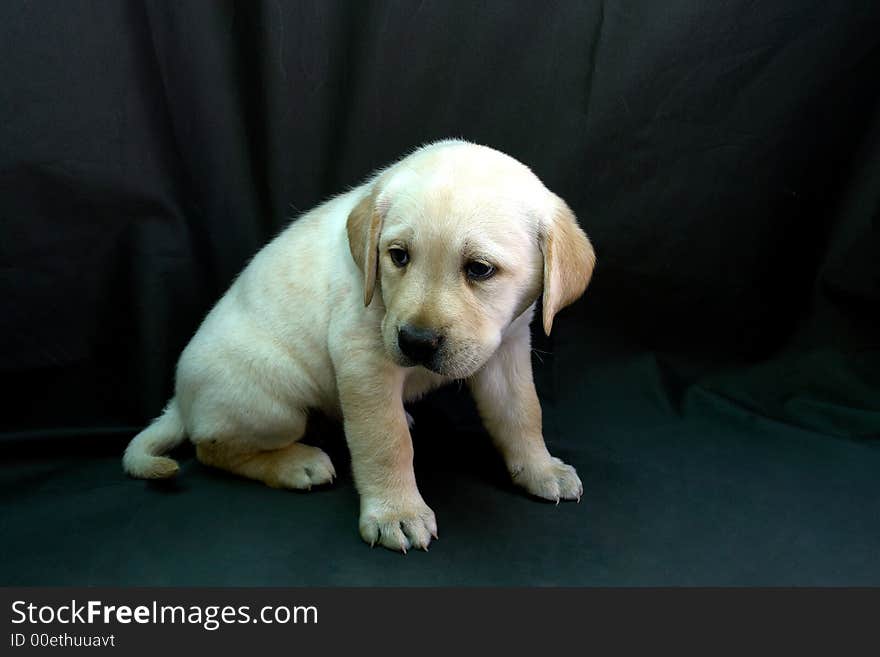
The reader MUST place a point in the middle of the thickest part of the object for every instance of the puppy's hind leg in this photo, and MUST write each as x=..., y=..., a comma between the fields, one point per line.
x=295, y=466
x=292, y=465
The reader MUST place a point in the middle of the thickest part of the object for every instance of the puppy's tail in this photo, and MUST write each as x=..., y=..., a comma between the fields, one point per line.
x=142, y=458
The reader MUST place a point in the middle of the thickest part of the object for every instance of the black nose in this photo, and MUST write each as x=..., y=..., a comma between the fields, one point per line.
x=418, y=344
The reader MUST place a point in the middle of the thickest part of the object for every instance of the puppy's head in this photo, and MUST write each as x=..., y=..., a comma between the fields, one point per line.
x=460, y=240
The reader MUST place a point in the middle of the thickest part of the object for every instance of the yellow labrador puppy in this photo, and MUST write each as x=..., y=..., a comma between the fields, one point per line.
x=427, y=273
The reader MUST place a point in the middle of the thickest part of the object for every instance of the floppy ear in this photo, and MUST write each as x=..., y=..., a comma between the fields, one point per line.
x=569, y=260
x=364, y=225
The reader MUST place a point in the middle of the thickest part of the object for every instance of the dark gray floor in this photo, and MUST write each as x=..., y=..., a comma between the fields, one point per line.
x=708, y=496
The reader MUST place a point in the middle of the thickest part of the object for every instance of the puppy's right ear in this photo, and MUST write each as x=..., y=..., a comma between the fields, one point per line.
x=364, y=225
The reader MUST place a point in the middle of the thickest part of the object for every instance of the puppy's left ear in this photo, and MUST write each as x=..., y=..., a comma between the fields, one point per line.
x=569, y=260
x=364, y=225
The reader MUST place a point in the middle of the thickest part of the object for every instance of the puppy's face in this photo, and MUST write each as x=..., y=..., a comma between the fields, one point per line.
x=456, y=264
x=458, y=239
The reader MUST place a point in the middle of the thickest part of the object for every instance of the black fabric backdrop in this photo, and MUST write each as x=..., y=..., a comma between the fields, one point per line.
x=718, y=387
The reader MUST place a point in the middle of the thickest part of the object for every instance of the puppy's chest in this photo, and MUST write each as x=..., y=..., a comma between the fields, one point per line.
x=419, y=382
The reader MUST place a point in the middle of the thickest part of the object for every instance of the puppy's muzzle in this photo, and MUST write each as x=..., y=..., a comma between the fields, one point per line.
x=419, y=344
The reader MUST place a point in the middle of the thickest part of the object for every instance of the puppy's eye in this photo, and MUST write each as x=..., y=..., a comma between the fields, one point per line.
x=399, y=257
x=477, y=270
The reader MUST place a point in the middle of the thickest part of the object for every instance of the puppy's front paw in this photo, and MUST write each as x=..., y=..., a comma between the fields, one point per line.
x=552, y=480
x=397, y=524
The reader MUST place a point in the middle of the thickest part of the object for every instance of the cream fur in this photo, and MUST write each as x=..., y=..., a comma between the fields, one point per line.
x=293, y=334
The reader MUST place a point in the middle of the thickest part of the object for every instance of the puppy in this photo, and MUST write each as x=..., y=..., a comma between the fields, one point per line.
x=427, y=273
